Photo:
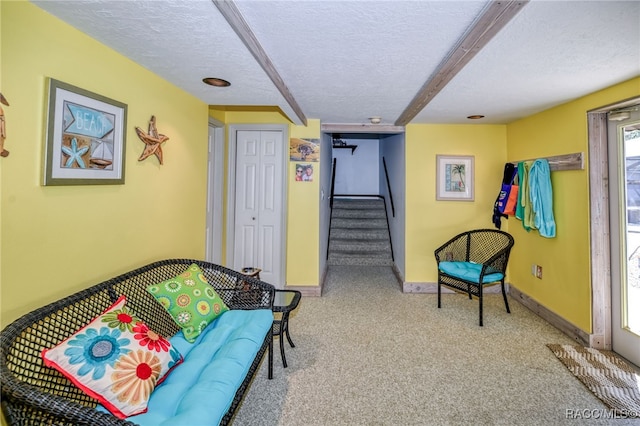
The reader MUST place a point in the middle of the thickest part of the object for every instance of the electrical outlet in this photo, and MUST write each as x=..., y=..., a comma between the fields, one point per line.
x=534, y=269
x=539, y=272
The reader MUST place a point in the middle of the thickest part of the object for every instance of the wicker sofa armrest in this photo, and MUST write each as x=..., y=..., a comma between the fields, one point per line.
x=35, y=394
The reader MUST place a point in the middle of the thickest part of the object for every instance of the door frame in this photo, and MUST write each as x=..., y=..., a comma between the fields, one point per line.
x=231, y=190
x=601, y=328
x=215, y=192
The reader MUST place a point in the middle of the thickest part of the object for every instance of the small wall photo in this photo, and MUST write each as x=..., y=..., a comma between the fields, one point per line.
x=303, y=173
x=304, y=149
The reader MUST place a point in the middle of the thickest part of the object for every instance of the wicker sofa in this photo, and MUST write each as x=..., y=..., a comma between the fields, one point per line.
x=35, y=394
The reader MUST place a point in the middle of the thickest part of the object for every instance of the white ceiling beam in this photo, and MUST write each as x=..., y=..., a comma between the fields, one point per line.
x=233, y=16
x=360, y=128
x=494, y=17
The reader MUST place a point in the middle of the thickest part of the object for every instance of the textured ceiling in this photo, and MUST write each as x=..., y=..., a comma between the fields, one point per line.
x=345, y=61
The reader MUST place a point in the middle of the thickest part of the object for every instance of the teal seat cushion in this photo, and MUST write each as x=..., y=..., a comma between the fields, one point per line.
x=469, y=271
x=202, y=388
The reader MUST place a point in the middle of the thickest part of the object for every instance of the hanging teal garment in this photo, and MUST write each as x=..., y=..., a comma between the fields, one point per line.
x=525, y=211
x=542, y=198
x=523, y=195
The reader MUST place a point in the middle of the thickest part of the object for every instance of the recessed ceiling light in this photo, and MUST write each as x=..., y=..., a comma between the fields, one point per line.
x=475, y=117
x=217, y=82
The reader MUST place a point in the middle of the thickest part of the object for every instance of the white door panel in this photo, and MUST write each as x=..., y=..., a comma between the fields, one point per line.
x=260, y=171
x=268, y=189
x=248, y=185
x=265, y=251
x=248, y=236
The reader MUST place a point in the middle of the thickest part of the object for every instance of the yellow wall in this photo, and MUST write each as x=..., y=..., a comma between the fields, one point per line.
x=303, y=244
x=430, y=223
x=56, y=240
x=565, y=287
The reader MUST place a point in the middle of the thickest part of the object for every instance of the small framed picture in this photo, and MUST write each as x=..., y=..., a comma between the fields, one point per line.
x=304, y=150
x=454, y=177
x=85, y=137
x=304, y=172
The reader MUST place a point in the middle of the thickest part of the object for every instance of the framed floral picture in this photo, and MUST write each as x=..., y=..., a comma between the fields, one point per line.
x=454, y=177
x=85, y=140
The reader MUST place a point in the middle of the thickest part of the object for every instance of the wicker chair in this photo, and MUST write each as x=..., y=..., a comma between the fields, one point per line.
x=33, y=394
x=472, y=260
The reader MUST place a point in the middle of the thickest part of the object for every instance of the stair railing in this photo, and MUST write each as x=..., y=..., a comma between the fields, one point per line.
x=333, y=183
x=386, y=175
x=331, y=194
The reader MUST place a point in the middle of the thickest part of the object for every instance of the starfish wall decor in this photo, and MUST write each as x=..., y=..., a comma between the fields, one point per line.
x=3, y=129
x=153, y=141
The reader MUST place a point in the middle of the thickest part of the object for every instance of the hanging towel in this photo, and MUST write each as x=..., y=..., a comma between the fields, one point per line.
x=508, y=197
x=507, y=176
x=523, y=209
x=541, y=196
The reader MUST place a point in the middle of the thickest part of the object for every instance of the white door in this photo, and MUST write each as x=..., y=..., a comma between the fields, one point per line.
x=624, y=187
x=215, y=199
x=259, y=195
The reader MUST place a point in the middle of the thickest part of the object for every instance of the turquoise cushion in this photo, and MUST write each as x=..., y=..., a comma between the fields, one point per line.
x=469, y=271
x=205, y=384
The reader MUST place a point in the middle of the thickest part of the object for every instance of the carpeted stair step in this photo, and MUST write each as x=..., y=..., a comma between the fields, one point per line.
x=359, y=233
x=354, y=258
x=360, y=245
x=358, y=213
x=352, y=203
x=352, y=223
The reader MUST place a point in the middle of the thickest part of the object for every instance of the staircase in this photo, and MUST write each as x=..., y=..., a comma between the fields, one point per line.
x=359, y=234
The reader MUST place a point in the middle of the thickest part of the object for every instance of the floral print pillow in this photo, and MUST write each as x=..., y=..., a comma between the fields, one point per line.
x=190, y=300
x=115, y=359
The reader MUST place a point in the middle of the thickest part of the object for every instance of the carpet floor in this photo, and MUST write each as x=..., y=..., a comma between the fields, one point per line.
x=367, y=354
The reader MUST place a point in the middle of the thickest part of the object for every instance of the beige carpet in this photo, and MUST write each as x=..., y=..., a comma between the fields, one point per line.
x=369, y=355
x=608, y=376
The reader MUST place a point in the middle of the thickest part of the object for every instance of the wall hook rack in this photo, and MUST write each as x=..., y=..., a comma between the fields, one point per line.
x=574, y=161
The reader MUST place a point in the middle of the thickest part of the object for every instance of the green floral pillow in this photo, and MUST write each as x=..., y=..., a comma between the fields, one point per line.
x=190, y=300
x=115, y=359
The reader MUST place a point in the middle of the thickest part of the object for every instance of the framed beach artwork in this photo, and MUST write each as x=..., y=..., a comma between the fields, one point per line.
x=85, y=137
x=454, y=177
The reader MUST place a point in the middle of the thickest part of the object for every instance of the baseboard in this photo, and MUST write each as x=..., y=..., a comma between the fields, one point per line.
x=310, y=290
x=433, y=288
x=580, y=336
x=306, y=290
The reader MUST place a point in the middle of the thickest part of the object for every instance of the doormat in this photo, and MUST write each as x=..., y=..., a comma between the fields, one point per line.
x=609, y=377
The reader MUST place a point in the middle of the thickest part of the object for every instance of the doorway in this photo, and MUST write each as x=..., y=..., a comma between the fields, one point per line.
x=257, y=200
x=624, y=197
